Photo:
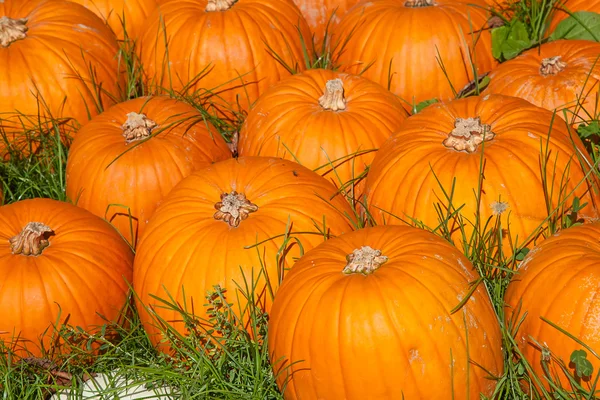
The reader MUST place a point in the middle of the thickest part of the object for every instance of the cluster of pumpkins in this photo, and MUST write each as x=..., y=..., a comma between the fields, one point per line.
x=161, y=203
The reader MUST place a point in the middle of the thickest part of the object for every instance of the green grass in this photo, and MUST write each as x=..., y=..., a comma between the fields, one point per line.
x=231, y=362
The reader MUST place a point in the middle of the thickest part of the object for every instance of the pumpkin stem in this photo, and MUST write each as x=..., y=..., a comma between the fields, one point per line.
x=468, y=133
x=234, y=208
x=552, y=66
x=418, y=3
x=219, y=5
x=333, y=97
x=137, y=127
x=32, y=239
x=365, y=261
x=12, y=30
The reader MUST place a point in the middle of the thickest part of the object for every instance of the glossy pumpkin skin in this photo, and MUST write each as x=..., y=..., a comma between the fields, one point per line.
x=573, y=86
x=385, y=334
x=323, y=15
x=401, y=42
x=411, y=168
x=106, y=174
x=571, y=6
x=86, y=269
x=222, y=54
x=184, y=245
x=289, y=122
x=49, y=59
x=565, y=268
x=133, y=12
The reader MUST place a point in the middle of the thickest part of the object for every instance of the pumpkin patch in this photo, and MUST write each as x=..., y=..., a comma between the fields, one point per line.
x=299, y=199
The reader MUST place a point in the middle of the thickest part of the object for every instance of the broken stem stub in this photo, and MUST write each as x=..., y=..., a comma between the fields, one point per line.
x=552, y=66
x=137, y=127
x=32, y=240
x=365, y=261
x=233, y=208
x=219, y=5
x=11, y=30
x=468, y=134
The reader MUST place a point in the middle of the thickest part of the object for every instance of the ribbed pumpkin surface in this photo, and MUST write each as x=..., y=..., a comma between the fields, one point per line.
x=403, y=43
x=190, y=245
x=415, y=170
x=86, y=270
x=388, y=334
x=564, y=74
x=224, y=54
x=299, y=120
x=112, y=176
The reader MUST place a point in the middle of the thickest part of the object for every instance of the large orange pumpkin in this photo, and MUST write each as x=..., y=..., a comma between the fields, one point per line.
x=565, y=268
x=401, y=44
x=56, y=58
x=130, y=13
x=440, y=153
x=367, y=315
x=58, y=260
x=564, y=7
x=124, y=161
x=561, y=75
x=321, y=118
x=223, y=49
x=204, y=232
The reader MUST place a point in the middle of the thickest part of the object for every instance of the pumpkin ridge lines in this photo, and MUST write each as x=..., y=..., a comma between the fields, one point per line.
x=250, y=45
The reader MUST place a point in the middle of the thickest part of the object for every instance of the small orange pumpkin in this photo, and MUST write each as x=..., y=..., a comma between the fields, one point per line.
x=57, y=259
x=561, y=75
x=367, y=315
x=225, y=225
x=321, y=118
x=48, y=50
x=401, y=44
x=125, y=160
x=222, y=49
x=131, y=13
x=439, y=154
x=565, y=268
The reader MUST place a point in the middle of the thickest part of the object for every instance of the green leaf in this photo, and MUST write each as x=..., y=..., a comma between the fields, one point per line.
x=583, y=25
x=522, y=253
x=417, y=108
x=587, y=130
x=583, y=366
x=510, y=40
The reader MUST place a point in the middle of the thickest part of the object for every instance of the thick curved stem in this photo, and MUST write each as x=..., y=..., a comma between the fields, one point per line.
x=32, y=240
x=234, y=208
x=137, y=127
x=365, y=261
x=333, y=97
x=12, y=30
x=468, y=134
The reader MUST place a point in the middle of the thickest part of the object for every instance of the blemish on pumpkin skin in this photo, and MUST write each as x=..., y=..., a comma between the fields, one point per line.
x=414, y=356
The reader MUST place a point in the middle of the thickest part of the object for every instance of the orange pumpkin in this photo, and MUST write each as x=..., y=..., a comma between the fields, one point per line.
x=205, y=231
x=321, y=118
x=366, y=315
x=401, y=44
x=565, y=268
x=323, y=15
x=44, y=69
x=222, y=49
x=439, y=153
x=131, y=13
x=57, y=261
x=564, y=7
x=124, y=161
x=561, y=75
